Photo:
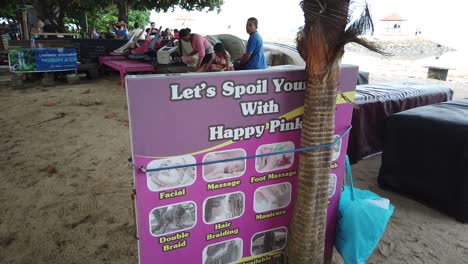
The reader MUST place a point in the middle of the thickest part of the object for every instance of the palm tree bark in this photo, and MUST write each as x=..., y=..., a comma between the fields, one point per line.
x=321, y=44
x=307, y=230
x=124, y=7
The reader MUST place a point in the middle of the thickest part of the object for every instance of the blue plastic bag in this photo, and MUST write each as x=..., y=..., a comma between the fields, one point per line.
x=362, y=219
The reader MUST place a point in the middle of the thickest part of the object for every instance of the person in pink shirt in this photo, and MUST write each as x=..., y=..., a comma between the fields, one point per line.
x=200, y=46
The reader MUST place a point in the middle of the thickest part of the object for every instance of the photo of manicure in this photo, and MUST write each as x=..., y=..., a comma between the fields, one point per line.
x=224, y=170
x=226, y=252
x=172, y=218
x=224, y=207
x=272, y=197
x=171, y=178
x=274, y=162
x=269, y=241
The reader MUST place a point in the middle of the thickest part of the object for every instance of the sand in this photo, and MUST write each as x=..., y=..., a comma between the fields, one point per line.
x=66, y=185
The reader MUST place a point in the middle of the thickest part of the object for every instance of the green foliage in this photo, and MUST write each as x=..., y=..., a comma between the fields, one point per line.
x=27, y=62
x=101, y=13
x=189, y=5
x=140, y=16
x=103, y=18
x=164, y=5
x=8, y=9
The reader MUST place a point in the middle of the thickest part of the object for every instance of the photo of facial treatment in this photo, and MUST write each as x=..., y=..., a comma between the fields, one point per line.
x=171, y=178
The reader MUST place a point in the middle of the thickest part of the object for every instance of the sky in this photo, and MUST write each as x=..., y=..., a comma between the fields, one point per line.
x=440, y=21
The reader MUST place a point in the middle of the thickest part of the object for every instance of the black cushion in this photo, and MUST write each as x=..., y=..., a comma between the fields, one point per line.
x=425, y=156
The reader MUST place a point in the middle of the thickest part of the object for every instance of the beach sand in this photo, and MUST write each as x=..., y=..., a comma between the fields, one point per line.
x=66, y=185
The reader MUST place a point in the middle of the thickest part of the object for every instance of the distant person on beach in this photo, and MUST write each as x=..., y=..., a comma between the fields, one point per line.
x=138, y=32
x=169, y=33
x=254, y=57
x=94, y=34
x=120, y=30
x=152, y=30
x=48, y=27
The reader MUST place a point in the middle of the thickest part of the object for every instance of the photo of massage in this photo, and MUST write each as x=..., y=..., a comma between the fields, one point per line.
x=171, y=178
x=269, y=241
x=272, y=197
x=336, y=149
x=223, y=207
x=274, y=162
x=173, y=218
x=226, y=252
x=224, y=170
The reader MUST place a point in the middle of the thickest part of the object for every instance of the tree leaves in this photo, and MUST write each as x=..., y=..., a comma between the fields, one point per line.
x=101, y=12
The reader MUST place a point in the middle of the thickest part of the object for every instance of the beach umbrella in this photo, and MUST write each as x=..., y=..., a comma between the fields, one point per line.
x=329, y=25
x=184, y=18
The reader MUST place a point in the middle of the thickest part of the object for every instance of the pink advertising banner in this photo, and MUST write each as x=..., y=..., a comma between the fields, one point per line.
x=235, y=211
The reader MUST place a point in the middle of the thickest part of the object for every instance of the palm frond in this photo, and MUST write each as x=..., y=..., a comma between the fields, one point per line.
x=329, y=27
x=361, y=26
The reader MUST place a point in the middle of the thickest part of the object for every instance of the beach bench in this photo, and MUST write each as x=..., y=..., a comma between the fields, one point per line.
x=425, y=156
x=127, y=66
x=437, y=72
x=377, y=102
x=103, y=59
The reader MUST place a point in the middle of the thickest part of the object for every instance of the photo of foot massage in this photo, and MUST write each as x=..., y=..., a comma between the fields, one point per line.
x=275, y=162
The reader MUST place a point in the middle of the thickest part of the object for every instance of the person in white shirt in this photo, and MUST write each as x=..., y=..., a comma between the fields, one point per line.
x=137, y=32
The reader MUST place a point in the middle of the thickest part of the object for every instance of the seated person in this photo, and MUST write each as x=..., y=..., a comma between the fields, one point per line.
x=254, y=57
x=200, y=46
x=146, y=46
x=186, y=51
x=138, y=32
x=120, y=30
x=94, y=34
x=220, y=62
x=48, y=27
x=152, y=30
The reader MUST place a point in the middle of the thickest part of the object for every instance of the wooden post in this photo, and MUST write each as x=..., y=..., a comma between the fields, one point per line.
x=86, y=24
x=25, y=25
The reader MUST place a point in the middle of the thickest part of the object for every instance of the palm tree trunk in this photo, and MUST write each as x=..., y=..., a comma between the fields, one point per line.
x=307, y=230
x=123, y=9
x=321, y=44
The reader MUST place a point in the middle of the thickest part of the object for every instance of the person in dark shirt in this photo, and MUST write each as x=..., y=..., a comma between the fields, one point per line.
x=152, y=30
